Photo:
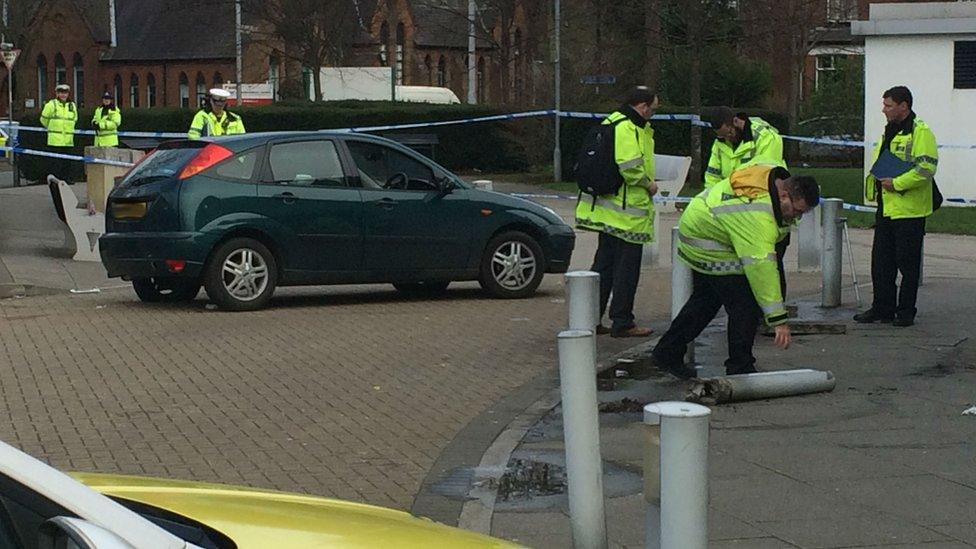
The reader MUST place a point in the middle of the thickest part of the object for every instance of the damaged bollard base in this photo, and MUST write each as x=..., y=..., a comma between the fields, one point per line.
x=761, y=385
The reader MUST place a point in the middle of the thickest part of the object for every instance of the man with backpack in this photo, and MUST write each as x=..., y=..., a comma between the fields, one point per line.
x=906, y=196
x=615, y=173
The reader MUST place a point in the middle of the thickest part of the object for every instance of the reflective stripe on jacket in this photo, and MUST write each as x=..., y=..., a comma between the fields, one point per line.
x=629, y=214
x=912, y=196
x=59, y=119
x=731, y=228
x=763, y=145
x=106, y=122
x=206, y=124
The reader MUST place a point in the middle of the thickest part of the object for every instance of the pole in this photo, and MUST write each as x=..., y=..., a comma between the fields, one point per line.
x=681, y=287
x=808, y=234
x=472, y=69
x=240, y=60
x=833, y=252
x=850, y=255
x=581, y=432
x=683, y=521
x=583, y=299
x=557, y=154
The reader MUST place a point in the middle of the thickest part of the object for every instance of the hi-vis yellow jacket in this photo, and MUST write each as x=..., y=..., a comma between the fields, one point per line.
x=59, y=118
x=106, y=122
x=761, y=144
x=206, y=124
x=912, y=196
x=629, y=214
x=732, y=228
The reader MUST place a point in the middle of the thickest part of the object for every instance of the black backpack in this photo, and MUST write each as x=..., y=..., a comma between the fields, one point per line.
x=596, y=169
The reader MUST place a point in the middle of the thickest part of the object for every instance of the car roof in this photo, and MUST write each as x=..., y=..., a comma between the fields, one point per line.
x=250, y=139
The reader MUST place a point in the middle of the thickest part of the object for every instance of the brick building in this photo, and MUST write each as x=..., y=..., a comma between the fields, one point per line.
x=150, y=53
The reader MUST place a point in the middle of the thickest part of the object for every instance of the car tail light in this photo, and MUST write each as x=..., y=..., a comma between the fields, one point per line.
x=176, y=266
x=207, y=157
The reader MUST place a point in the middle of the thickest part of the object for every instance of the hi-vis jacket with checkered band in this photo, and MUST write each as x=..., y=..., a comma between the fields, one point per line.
x=629, y=214
x=732, y=229
x=59, y=118
x=912, y=196
x=761, y=144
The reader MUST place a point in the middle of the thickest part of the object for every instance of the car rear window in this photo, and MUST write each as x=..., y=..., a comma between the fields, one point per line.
x=162, y=163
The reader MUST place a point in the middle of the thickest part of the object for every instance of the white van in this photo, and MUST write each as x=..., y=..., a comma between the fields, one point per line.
x=426, y=94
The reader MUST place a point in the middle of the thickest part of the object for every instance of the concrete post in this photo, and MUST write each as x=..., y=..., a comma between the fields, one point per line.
x=809, y=237
x=581, y=432
x=583, y=299
x=833, y=252
x=681, y=287
x=683, y=521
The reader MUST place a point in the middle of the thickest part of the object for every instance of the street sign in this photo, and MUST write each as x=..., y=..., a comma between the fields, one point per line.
x=9, y=57
x=599, y=80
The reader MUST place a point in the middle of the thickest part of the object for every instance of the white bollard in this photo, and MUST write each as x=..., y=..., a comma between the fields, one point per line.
x=681, y=287
x=809, y=241
x=683, y=521
x=760, y=385
x=581, y=432
x=583, y=299
x=833, y=252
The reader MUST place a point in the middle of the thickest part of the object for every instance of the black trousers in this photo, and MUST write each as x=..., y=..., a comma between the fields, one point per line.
x=709, y=292
x=618, y=263
x=897, y=248
x=59, y=167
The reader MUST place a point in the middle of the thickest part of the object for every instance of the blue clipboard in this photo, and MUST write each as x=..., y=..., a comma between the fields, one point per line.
x=889, y=166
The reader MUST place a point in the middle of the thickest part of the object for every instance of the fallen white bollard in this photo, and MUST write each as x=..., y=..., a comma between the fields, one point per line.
x=721, y=390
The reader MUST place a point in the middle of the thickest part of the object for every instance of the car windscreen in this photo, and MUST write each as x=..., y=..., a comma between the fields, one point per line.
x=161, y=164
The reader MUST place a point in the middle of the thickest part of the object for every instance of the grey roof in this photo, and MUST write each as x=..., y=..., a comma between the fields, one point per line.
x=96, y=16
x=156, y=30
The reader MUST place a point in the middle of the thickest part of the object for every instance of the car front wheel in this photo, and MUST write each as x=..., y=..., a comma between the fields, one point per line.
x=512, y=265
x=165, y=290
x=241, y=275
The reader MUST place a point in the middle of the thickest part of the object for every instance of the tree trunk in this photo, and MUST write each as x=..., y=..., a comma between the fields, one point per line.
x=696, y=50
x=652, y=40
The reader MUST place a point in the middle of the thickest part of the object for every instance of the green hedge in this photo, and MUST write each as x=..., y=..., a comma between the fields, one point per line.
x=503, y=146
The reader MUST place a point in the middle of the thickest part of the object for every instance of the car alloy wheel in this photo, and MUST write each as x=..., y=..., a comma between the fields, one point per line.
x=241, y=275
x=512, y=266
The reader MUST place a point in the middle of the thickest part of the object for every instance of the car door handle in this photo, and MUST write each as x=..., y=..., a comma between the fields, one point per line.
x=286, y=197
x=385, y=203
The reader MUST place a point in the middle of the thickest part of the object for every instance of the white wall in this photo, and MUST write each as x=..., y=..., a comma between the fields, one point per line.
x=924, y=64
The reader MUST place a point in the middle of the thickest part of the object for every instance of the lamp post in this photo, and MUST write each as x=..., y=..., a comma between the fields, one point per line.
x=557, y=155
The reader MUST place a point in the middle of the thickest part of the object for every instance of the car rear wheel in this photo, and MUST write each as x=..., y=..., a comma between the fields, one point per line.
x=427, y=287
x=165, y=290
x=241, y=275
x=512, y=265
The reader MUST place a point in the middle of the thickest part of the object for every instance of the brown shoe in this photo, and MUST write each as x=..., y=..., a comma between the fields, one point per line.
x=636, y=331
x=602, y=330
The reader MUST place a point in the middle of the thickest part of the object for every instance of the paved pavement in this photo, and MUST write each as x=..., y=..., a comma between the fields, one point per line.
x=360, y=393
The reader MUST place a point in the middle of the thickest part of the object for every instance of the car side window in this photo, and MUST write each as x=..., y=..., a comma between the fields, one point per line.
x=307, y=163
x=384, y=167
x=239, y=167
x=23, y=512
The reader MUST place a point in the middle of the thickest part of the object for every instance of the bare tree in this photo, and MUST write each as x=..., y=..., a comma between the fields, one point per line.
x=312, y=33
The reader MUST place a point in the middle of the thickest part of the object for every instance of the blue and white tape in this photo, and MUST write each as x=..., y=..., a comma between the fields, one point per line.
x=85, y=159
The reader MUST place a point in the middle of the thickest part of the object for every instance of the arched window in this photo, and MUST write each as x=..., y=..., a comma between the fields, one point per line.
x=60, y=70
x=201, y=89
x=384, y=43
x=442, y=72
x=218, y=80
x=41, y=79
x=78, y=66
x=134, y=90
x=400, y=41
x=481, y=80
x=184, y=90
x=117, y=91
x=150, y=90
x=430, y=70
x=273, y=72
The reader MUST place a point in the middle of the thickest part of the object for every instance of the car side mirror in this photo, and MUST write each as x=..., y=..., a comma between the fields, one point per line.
x=445, y=185
x=74, y=533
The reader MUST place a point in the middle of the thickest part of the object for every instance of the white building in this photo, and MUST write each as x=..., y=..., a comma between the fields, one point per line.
x=931, y=48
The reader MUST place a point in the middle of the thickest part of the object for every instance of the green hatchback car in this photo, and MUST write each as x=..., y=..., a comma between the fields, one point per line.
x=243, y=215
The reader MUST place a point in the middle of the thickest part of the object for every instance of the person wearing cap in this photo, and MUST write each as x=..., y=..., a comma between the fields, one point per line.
x=106, y=121
x=213, y=119
x=59, y=116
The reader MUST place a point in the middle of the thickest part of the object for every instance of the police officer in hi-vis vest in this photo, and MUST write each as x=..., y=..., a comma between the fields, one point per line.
x=59, y=116
x=106, y=121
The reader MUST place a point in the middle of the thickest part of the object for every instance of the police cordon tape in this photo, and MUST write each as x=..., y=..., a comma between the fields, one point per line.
x=693, y=118
x=663, y=200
